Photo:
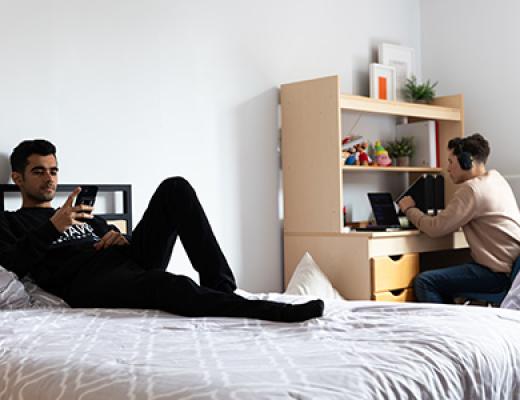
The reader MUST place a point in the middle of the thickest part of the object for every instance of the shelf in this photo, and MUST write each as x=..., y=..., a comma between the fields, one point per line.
x=366, y=104
x=404, y=232
x=361, y=168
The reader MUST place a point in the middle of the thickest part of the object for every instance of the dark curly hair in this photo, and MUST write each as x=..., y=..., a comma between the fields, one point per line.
x=27, y=148
x=475, y=145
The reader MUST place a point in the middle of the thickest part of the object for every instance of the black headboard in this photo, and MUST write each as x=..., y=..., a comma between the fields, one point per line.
x=126, y=190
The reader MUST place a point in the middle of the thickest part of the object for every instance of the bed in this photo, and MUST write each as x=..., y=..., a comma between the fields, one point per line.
x=357, y=350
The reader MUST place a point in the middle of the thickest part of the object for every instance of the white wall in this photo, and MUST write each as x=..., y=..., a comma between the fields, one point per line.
x=471, y=47
x=132, y=91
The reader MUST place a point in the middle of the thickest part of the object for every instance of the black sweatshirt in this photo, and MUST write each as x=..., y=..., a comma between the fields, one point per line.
x=30, y=244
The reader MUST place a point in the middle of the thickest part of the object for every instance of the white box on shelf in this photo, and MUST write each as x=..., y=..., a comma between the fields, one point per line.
x=403, y=60
x=382, y=82
x=424, y=134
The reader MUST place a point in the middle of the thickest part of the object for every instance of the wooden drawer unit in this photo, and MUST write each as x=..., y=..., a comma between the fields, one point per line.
x=392, y=278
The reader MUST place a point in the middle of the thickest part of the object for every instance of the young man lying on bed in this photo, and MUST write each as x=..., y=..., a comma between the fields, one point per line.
x=485, y=208
x=88, y=263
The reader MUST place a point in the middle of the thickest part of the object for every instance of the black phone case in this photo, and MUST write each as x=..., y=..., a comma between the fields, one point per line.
x=87, y=196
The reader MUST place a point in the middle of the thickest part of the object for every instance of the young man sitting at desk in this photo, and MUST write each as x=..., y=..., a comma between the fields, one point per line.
x=485, y=208
x=79, y=257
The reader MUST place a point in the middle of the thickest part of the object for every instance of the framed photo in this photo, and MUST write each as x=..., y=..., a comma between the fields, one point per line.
x=382, y=82
x=402, y=59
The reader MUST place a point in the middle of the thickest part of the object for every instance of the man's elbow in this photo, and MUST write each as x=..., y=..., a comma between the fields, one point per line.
x=433, y=231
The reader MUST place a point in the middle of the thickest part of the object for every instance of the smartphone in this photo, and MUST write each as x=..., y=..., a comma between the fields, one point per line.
x=87, y=195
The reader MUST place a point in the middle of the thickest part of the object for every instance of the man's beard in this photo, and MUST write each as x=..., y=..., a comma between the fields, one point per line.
x=39, y=196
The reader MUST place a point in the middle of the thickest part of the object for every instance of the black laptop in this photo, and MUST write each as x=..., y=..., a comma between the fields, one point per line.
x=384, y=212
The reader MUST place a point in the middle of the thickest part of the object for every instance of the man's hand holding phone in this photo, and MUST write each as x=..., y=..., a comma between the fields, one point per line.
x=70, y=214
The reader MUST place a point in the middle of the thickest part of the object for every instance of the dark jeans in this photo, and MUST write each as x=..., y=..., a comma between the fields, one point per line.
x=135, y=276
x=442, y=285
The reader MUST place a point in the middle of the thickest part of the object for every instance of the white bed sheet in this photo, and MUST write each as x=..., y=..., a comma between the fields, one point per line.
x=358, y=350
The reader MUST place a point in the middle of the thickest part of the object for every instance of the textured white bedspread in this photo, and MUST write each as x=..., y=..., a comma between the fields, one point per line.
x=358, y=350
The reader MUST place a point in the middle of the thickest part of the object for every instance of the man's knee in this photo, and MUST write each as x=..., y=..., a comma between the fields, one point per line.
x=425, y=280
x=175, y=182
x=177, y=186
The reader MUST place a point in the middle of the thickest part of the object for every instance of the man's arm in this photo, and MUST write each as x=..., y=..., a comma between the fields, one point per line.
x=109, y=234
x=459, y=211
x=21, y=254
x=111, y=238
x=68, y=215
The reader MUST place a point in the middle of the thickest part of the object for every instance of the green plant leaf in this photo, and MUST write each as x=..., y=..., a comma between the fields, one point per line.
x=417, y=91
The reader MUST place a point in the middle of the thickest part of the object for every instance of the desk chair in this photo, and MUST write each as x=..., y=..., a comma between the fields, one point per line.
x=491, y=298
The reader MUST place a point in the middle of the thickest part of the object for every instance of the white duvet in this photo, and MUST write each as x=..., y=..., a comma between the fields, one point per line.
x=358, y=350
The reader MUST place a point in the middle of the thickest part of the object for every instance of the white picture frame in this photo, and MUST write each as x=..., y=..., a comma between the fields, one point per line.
x=403, y=60
x=382, y=82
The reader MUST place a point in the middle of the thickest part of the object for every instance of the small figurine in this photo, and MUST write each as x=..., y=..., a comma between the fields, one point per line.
x=352, y=148
x=351, y=140
x=345, y=154
x=353, y=158
x=364, y=158
x=381, y=155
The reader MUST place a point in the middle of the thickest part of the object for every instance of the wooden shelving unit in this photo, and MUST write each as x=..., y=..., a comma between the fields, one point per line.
x=313, y=181
x=311, y=148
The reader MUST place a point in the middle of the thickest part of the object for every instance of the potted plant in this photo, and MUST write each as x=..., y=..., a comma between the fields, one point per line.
x=401, y=150
x=419, y=92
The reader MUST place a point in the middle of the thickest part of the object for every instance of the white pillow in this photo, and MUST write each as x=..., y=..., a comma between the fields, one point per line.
x=308, y=279
x=12, y=292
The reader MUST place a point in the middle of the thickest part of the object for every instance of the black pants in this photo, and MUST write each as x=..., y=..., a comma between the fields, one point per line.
x=135, y=276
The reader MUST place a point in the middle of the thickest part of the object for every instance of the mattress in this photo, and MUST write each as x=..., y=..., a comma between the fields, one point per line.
x=358, y=350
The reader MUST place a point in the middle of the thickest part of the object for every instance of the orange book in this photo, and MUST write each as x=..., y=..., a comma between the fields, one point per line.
x=382, y=88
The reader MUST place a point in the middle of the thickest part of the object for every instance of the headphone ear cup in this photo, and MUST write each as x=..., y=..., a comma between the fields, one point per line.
x=465, y=161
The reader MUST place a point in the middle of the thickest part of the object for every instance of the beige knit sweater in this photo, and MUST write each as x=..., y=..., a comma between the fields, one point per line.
x=486, y=210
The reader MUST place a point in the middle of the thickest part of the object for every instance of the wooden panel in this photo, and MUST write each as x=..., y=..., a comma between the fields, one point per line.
x=401, y=296
x=344, y=260
x=311, y=156
x=388, y=274
x=438, y=110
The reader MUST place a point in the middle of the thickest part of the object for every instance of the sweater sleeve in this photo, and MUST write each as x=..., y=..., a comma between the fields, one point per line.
x=21, y=254
x=101, y=227
x=460, y=210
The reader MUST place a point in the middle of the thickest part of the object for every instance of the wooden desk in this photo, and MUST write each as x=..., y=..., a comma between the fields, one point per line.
x=367, y=265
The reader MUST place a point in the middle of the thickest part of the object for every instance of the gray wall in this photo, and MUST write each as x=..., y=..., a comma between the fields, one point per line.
x=132, y=91
x=475, y=51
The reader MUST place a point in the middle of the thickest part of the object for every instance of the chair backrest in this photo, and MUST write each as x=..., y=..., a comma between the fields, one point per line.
x=495, y=298
x=515, y=269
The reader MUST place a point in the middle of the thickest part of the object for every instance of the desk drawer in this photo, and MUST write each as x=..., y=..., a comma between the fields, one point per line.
x=397, y=296
x=388, y=274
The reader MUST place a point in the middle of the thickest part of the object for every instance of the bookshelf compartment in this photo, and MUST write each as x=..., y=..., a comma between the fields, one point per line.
x=360, y=168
